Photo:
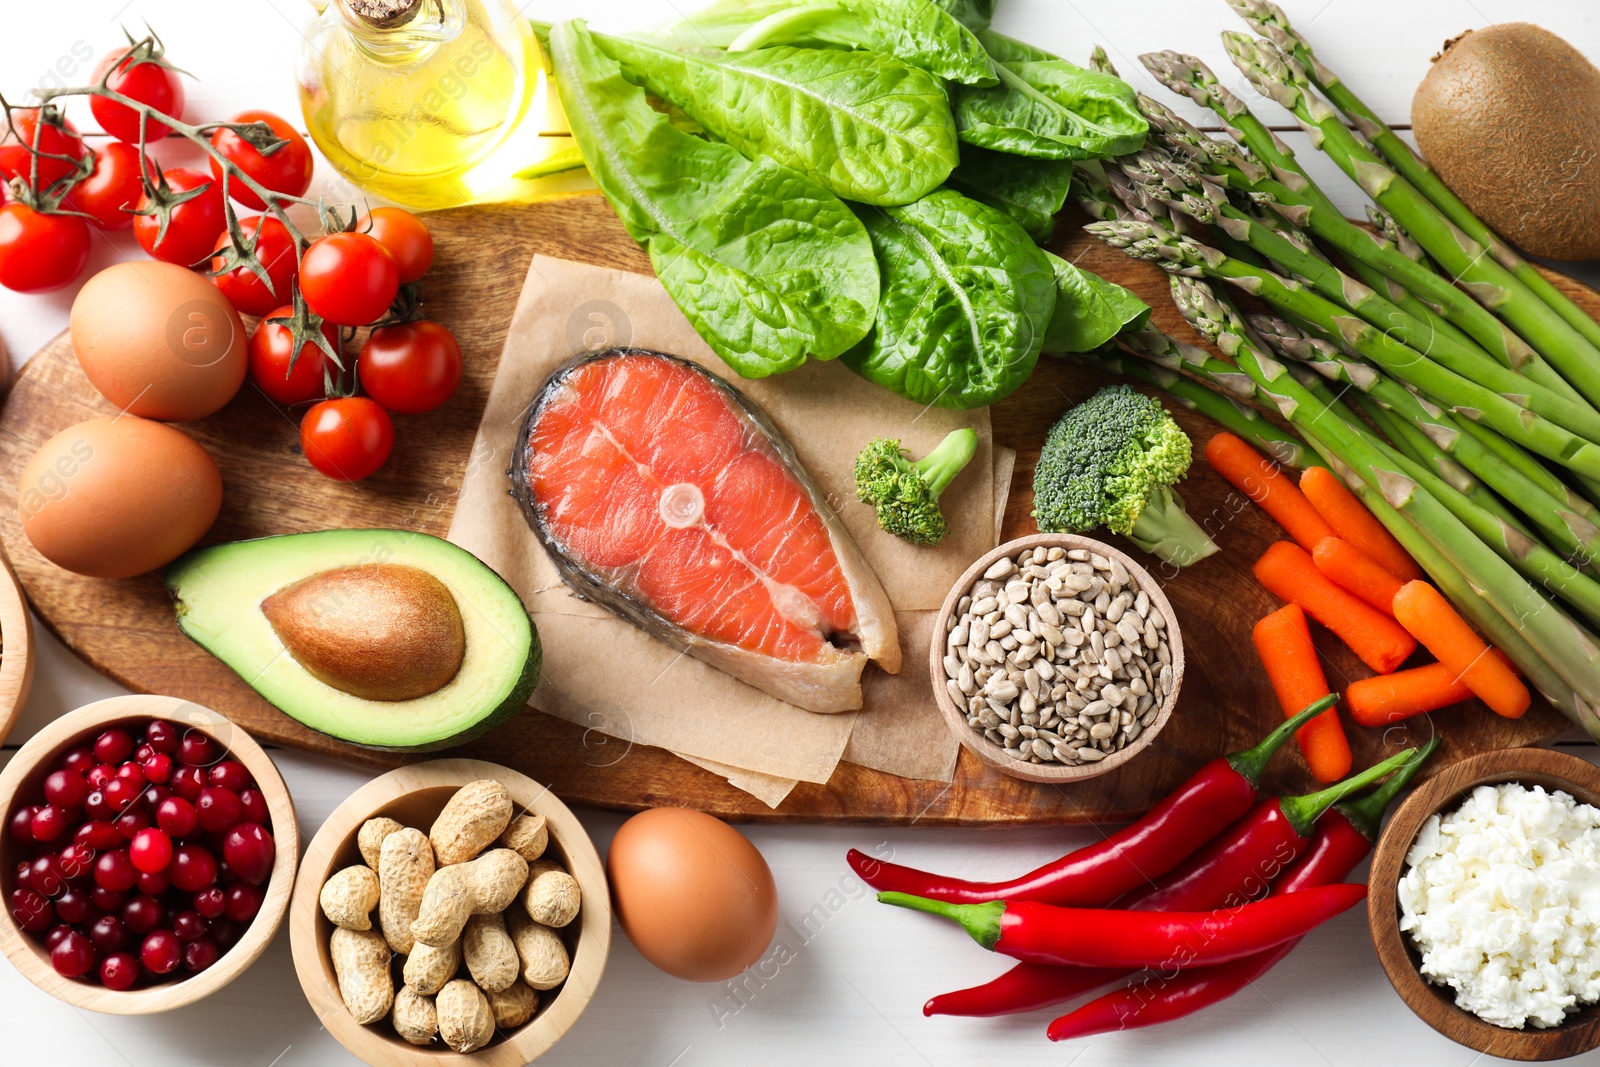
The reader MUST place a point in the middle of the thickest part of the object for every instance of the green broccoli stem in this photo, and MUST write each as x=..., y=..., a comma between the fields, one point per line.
x=1166, y=530
x=939, y=467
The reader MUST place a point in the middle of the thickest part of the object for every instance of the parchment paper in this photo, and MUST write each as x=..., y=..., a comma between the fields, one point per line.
x=606, y=674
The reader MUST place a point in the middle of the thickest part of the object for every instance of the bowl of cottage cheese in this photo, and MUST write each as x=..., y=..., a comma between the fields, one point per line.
x=1484, y=902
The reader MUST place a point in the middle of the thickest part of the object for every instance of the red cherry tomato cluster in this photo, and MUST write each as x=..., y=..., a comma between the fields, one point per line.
x=145, y=855
x=406, y=366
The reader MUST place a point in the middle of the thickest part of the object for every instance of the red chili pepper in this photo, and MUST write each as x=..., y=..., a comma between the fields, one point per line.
x=1105, y=937
x=1236, y=867
x=1188, y=817
x=1344, y=838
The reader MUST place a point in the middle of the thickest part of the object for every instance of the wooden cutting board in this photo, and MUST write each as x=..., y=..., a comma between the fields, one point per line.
x=125, y=629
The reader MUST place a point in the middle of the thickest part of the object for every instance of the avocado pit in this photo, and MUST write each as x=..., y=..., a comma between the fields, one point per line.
x=379, y=631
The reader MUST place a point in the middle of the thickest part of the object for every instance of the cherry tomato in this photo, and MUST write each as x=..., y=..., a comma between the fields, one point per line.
x=406, y=238
x=15, y=159
x=348, y=438
x=192, y=234
x=275, y=249
x=349, y=278
x=113, y=190
x=272, y=345
x=147, y=82
x=287, y=170
x=40, y=252
x=410, y=368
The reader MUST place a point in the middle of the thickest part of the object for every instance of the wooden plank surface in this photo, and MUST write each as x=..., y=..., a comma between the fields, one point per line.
x=125, y=628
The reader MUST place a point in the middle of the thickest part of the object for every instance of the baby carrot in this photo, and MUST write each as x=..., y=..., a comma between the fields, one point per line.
x=1428, y=616
x=1352, y=570
x=1289, y=574
x=1387, y=698
x=1259, y=479
x=1283, y=641
x=1352, y=521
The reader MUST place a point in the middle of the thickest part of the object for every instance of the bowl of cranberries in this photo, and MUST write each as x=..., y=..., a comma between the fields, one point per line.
x=148, y=854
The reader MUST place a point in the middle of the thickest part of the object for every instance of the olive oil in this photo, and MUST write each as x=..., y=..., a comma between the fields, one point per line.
x=420, y=101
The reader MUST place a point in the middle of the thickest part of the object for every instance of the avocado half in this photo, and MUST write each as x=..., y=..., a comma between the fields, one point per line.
x=219, y=591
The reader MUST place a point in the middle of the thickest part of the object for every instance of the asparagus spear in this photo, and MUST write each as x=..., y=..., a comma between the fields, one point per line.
x=1184, y=255
x=1564, y=647
x=1269, y=20
x=1293, y=190
x=1281, y=77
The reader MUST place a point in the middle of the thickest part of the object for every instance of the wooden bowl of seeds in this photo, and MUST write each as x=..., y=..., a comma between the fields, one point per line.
x=1056, y=658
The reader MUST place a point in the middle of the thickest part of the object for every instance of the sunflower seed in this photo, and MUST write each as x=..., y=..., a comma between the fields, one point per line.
x=999, y=569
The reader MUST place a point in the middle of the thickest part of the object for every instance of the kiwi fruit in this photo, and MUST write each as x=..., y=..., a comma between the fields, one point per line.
x=1509, y=118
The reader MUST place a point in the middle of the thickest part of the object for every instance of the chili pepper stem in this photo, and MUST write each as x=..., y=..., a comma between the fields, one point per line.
x=1366, y=814
x=1253, y=761
x=982, y=921
x=1303, y=812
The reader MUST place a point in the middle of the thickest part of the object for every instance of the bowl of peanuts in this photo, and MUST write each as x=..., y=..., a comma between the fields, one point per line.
x=450, y=908
x=1056, y=658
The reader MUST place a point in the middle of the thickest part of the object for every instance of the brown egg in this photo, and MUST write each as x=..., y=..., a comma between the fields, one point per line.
x=692, y=893
x=159, y=341
x=116, y=497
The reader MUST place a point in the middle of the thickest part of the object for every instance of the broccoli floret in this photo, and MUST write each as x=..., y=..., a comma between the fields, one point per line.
x=906, y=493
x=1111, y=461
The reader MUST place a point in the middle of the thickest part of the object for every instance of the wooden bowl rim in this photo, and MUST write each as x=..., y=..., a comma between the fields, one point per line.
x=376, y=1043
x=995, y=755
x=29, y=956
x=16, y=647
x=1435, y=1005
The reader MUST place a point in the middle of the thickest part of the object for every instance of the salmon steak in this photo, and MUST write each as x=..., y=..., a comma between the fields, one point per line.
x=663, y=494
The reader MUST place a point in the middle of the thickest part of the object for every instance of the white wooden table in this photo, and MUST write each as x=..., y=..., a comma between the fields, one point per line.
x=852, y=991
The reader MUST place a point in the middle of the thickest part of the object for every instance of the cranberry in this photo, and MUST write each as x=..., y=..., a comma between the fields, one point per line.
x=243, y=901
x=249, y=851
x=161, y=951
x=98, y=808
x=176, y=816
x=255, y=805
x=188, y=925
x=224, y=932
x=107, y=899
x=74, y=906
x=230, y=774
x=73, y=955
x=98, y=834
x=54, y=937
x=134, y=773
x=122, y=793
x=23, y=876
x=31, y=910
x=130, y=822
x=119, y=971
x=218, y=809
x=152, y=797
x=193, y=868
x=152, y=884
x=100, y=774
x=188, y=781
x=161, y=735
x=143, y=914
x=209, y=902
x=49, y=823
x=65, y=789
x=75, y=861
x=115, y=871
x=45, y=876
x=151, y=850
x=113, y=746
x=200, y=954
x=157, y=767
x=21, y=824
x=79, y=760
x=108, y=934
x=197, y=749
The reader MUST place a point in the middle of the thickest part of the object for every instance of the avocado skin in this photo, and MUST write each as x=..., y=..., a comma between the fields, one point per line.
x=514, y=699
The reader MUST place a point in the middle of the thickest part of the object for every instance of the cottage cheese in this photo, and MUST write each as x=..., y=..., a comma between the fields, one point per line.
x=1502, y=898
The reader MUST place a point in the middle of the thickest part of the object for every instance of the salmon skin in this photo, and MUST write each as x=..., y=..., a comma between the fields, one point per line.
x=663, y=494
